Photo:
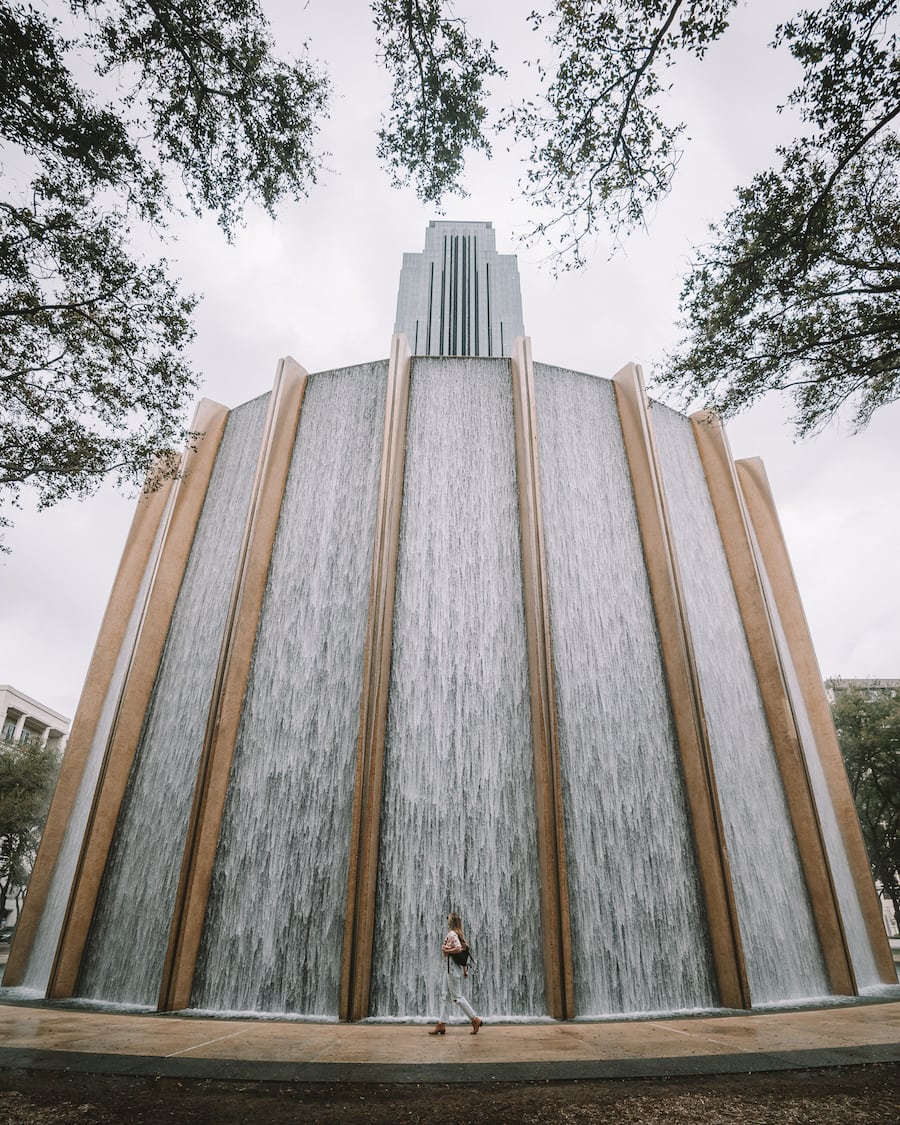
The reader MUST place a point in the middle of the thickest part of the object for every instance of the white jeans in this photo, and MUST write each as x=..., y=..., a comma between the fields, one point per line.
x=451, y=991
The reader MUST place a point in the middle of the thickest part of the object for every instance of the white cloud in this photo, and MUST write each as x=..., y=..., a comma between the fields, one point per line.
x=320, y=284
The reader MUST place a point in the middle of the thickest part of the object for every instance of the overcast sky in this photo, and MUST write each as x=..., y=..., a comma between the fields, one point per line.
x=320, y=284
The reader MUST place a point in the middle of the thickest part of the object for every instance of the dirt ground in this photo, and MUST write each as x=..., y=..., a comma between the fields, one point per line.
x=864, y=1095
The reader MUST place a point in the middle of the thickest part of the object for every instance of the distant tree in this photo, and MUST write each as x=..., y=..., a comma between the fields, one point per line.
x=868, y=727
x=438, y=99
x=93, y=376
x=798, y=289
x=27, y=775
x=601, y=151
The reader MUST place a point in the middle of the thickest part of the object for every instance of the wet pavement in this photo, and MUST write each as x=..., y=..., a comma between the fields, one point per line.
x=35, y=1036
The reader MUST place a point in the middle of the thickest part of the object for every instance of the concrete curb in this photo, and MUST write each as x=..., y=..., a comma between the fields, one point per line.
x=539, y=1070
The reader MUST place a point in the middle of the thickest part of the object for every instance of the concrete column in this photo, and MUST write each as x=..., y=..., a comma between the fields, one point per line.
x=20, y=726
x=359, y=924
x=230, y=684
x=125, y=734
x=740, y=551
x=4, y=709
x=684, y=689
x=136, y=557
x=770, y=539
x=555, y=917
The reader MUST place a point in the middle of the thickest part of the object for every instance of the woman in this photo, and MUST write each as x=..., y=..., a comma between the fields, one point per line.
x=452, y=978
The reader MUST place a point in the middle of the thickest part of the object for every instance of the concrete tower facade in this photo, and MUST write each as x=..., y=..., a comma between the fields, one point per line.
x=459, y=296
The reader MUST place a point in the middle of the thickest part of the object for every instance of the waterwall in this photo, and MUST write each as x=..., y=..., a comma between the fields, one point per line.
x=436, y=634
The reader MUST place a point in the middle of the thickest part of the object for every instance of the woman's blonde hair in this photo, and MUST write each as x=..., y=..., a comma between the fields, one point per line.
x=455, y=922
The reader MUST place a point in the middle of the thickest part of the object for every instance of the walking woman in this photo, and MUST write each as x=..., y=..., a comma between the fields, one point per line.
x=452, y=978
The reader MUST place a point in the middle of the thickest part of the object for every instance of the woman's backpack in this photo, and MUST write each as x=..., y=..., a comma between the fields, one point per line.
x=461, y=956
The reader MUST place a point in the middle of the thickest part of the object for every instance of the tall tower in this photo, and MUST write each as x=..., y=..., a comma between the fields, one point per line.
x=460, y=297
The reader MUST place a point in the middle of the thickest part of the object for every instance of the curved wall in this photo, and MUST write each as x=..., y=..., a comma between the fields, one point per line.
x=465, y=688
x=639, y=932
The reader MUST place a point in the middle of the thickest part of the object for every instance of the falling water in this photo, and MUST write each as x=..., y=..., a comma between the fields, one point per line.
x=781, y=948
x=128, y=938
x=40, y=961
x=458, y=823
x=638, y=926
x=272, y=939
x=860, y=947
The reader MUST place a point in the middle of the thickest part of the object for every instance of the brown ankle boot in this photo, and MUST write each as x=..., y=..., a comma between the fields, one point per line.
x=438, y=1029
x=476, y=1023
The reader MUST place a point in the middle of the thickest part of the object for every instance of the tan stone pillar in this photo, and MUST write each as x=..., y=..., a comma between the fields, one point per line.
x=359, y=922
x=135, y=560
x=770, y=539
x=684, y=689
x=230, y=684
x=737, y=539
x=126, y=728
x=555, y=917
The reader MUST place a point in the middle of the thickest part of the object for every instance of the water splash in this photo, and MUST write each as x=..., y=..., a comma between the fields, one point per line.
x=860, y=947
x=639, y=933
x=43, y=950
x=458, y=821
x=781, y=946
x=134, y=908
x=274, y=925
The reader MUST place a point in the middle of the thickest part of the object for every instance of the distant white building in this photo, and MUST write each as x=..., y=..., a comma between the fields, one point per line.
x=871, y=688
x=23, y=717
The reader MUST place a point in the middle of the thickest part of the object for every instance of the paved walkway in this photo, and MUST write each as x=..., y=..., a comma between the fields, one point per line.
x=55, y=1038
